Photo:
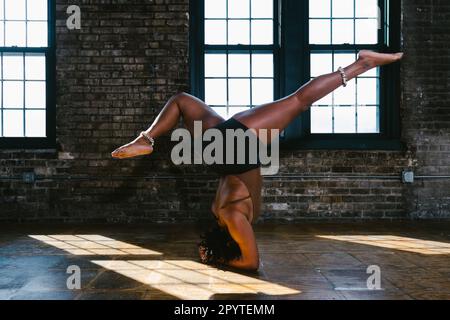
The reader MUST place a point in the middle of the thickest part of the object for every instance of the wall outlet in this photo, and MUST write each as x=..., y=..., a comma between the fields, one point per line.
x=408, y=177
x=29, y=177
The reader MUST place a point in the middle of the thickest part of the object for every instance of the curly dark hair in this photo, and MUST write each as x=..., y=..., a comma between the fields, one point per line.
x=219, y=247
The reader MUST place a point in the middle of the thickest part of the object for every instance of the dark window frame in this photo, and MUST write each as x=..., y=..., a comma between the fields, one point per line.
x=198, y=49
x=292, y=69
x=48, y=142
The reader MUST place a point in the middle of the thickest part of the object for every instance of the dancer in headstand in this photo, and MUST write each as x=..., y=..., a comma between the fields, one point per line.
x=238, y=199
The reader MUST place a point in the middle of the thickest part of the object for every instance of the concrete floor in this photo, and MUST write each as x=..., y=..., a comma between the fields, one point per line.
x=308, y=261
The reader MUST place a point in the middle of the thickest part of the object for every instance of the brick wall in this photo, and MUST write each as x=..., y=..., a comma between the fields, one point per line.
x=116, y=73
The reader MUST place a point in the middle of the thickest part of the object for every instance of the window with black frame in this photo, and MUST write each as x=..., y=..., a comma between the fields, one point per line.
x=245, y=53
x=238, y=50
x=24, y=63
x=333, y=25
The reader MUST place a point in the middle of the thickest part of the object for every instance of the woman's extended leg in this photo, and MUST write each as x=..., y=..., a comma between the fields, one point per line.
x=279, y=114
x=182, y=105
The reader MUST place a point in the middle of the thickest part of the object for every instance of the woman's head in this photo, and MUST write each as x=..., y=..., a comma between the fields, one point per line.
x=218, y=247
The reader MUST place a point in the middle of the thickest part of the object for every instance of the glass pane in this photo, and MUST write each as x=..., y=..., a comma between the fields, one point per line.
x=35, y=123
x=238, y=8
x=216, y=9
x=12, y=66
x=343, y=8
x=215, y=65
x=239, y=32
x=321, y=120
x=372, y=73
x=35, y=94
x=221, y=111
x=343, y=31
x=319, y=8
x=15, y=9
x=368, y=120
x=345, y=120
x=262, y=9
x=343, y=60
x=13, y=94
x=367, y=9
x=262, y=91
x=319, y=31
x=347, y=95
x=216, y=92
x=215, y=32
x=321, y=64
x=232, y=111
x=15, y=34
x=262, y=32
x=239, y=92
x=367, y=31
x=2, y=33
x=239, y=65
x=367, y=91
x=37, y=9
x=262, y=65
x=35, y=67
x=2, y=15
x=12, y=123
x=37, y=34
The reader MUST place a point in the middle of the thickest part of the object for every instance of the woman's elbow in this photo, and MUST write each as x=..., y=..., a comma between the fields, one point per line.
x=251, y=265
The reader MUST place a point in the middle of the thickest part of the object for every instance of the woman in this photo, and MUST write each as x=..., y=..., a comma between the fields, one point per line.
x=237, y=202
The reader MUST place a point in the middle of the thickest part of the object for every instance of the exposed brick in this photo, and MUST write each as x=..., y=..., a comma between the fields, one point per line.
x=117, y=72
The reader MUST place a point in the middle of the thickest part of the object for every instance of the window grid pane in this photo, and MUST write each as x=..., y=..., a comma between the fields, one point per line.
x=339, y=22
x=238, y=80
x=22, y=95
x=356, y=108
x=346, y=110
x=23, y=86
x=239, y=22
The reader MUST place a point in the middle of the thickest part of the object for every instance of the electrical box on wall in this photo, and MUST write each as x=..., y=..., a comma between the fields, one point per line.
x=408, y=177
x=29, y=177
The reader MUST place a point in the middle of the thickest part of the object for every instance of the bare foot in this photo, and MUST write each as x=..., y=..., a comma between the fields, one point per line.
x=136, y=148
x=374, y=59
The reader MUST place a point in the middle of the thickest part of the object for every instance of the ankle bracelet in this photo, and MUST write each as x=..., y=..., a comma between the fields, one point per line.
x=344, y=76
x=148, y=138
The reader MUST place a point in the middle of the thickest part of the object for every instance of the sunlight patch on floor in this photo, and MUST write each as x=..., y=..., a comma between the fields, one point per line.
x=192, y=280
x=426, y=247
x=92, y=245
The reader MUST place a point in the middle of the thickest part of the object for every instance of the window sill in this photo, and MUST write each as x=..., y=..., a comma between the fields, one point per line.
x=28, y=144
x=344, y=143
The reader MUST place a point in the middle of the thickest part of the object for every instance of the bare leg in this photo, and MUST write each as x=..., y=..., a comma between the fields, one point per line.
x=279, y=114
x=182, y=105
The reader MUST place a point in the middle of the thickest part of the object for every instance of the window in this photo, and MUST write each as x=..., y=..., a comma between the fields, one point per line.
x=333, y=24
x=238, y=54
x=245, y=53
x=25, y=59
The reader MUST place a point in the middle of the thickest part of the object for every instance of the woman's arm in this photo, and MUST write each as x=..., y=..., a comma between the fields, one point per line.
x=242, y=232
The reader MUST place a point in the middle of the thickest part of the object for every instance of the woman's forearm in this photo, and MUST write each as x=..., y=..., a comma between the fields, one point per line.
x=244, y=264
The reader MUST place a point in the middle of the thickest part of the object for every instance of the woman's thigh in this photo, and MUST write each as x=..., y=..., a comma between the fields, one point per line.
x=193, y=109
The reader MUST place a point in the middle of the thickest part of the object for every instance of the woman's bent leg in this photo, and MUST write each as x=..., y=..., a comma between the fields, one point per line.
x=183, y=106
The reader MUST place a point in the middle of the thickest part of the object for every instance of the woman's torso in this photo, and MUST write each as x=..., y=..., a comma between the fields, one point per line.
x=242, y=191
x=240, y=184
